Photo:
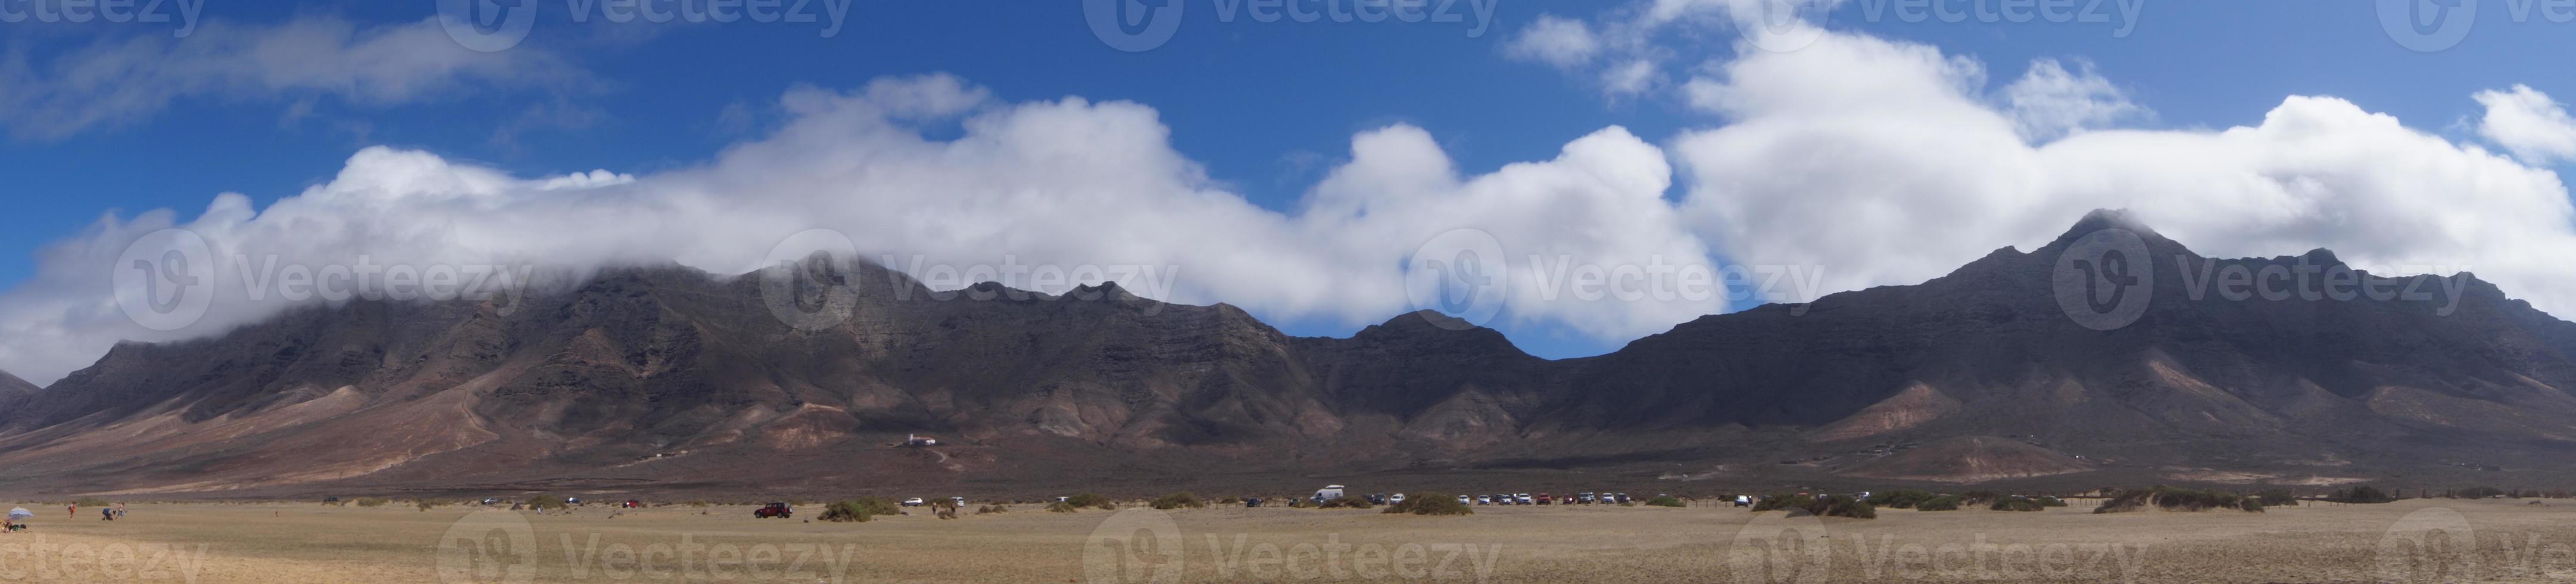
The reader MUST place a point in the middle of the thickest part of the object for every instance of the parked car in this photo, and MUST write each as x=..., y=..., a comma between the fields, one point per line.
x=957, y=501
x=631, y=504
x=1398, y=498
x=1484, y=499
x=912, y=502
x=1623, y=498
x=1251, y=501
x=1464, y=500
x=1544, y=499
x=1377, y=498
x=778, y=510
x=1583, y=498
x=572, y=500
x=491, y=501
x=1743, y=500
x=1522, y=499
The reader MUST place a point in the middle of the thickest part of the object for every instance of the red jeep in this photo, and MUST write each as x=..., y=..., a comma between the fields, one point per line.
x=778, y=510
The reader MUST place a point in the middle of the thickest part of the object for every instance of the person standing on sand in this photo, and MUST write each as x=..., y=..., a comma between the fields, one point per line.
x=120, y=509
x=71, y=511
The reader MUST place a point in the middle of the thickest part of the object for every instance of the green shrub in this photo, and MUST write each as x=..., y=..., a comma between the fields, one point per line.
x=425, y=504
x=1181, y=500
x=2177, y=499
x=2478, y=493
x=1828, y=505
x=1784, y=501
x=860, y=509
x=1431, y=504
x=1346, y=503
x=2016, y=503
x=1091, y=500
x=990, y=509
x=1939, y=503
x=2274, y=497
x=373, y=502
x=1900, y=499
x=1666, y=501
x=1979, y=497
x=542, y=502
x=1062, y=507
x=1844, y=506
x=2361, y=494
x=2050, y=502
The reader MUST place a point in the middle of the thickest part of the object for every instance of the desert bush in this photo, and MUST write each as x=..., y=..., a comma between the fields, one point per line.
x=1666, y=501
x=2046, y=501
x=2361, y=494
x=1828, y=505
x=1062, y=507
x=545, y=502
x=2478, y=493
x=1346, y=503
x=1900, y=498
x=1091, y=500
x=1431, y=504
x=2274, y=497
x=1783, y=501
x=1844, y=506
x=1979, y=497
x=2016, y=503
x=991, y=509
x=373, y=502
x=1181, y=500
x=2178, y=499
x=425, y=504
x=860, y=509
x=1939, y=503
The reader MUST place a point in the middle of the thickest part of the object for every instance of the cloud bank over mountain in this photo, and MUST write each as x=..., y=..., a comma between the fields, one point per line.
x=1854, y=161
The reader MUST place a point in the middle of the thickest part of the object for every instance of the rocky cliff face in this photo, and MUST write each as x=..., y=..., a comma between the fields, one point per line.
x=671, y=378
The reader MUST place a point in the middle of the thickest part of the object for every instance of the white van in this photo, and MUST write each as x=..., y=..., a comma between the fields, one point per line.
x=1328, y=493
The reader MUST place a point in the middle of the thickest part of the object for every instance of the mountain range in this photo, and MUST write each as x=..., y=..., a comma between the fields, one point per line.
x=668, y=379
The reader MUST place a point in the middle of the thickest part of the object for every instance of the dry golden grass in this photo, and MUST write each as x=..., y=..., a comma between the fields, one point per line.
x=310, y=543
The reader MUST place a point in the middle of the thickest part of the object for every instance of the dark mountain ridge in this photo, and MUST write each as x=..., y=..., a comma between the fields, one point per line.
x=671, y=378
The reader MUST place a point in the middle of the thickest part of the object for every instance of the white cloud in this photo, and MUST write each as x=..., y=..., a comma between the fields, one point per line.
x=1624, y=49
x=1879, y=162
x=1555, y=40
x=2050, y=101
x=115, y=82
x=1066, y=182
x=2529, y=124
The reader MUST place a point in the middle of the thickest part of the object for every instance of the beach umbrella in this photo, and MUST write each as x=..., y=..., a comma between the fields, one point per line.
x=21, y=513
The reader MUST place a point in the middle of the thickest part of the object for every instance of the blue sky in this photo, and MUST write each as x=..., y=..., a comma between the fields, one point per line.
x=1267, y=109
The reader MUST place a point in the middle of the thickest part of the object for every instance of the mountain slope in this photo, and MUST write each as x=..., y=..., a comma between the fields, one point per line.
x=668, y=378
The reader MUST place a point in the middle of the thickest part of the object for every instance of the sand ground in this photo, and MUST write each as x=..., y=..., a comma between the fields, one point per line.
x=304, y=542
